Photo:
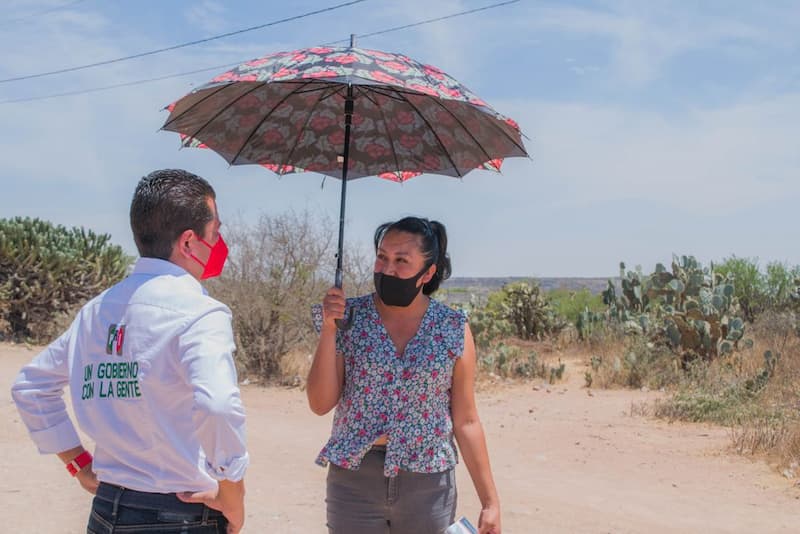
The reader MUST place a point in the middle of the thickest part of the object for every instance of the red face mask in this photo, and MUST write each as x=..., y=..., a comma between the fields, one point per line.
x=216, y=260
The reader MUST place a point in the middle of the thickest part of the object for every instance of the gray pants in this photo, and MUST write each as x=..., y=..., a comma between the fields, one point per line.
x=367, y=502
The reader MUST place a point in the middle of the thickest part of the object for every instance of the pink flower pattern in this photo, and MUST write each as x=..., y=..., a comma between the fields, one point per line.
x=405, y=396
x=399, y=130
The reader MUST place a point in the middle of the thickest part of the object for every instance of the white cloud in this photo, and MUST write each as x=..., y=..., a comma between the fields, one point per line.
x=582, y=71
x=208, y=16
x=707, y=161
x=643, y=37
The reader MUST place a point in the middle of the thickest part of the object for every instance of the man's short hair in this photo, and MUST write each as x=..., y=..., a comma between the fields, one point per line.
x=165, y=204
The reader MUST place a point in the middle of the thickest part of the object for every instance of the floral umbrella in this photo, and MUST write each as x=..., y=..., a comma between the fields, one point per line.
x=345, y=112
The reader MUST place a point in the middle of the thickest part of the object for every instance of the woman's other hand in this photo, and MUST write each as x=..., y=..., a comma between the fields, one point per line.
x=489, y=521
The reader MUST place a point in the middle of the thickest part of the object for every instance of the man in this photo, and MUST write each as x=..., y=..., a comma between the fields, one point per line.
x=149, y=364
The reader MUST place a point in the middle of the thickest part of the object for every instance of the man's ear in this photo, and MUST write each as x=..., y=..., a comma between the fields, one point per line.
x=182, y=244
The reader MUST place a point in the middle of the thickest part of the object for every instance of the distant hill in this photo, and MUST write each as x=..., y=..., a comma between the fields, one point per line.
x=459, y=289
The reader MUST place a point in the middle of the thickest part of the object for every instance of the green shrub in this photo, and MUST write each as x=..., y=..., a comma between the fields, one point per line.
x=781, y=283
x=733, y=403
x=757, y=292
x=748, y=283
x=571, y=304
x=47, y=271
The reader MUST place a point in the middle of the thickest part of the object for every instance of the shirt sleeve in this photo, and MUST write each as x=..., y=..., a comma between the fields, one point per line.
x=38, y=392
x=206, y=354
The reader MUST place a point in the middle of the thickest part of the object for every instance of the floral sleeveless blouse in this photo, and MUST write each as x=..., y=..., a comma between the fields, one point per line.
x=405, y=396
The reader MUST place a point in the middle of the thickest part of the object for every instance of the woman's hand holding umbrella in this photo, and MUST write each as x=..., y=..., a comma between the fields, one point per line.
x=333, y=307
x=326, y=377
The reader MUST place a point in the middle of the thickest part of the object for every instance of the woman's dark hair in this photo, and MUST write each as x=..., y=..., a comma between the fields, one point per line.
x=434, y=245
x=165, y=204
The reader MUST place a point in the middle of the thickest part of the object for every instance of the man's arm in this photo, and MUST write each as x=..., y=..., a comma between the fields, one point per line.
x=38, y=393
x=206, y=354
x=85, y=475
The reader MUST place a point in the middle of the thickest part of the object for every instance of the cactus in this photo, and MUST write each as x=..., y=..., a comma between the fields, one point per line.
x=556, y=373
x=529, y=311
x=587, y=322
x=46, y=270
x=759, y=381
x=689, y=308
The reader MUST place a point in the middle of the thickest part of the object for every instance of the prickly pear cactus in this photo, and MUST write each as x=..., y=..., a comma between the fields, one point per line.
x=689, y=308
x=588, y=321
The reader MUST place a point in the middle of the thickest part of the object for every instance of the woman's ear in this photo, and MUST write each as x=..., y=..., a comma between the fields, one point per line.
x=429, y=274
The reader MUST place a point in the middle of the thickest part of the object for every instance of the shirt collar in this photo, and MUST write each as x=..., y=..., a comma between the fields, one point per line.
x=159, y=267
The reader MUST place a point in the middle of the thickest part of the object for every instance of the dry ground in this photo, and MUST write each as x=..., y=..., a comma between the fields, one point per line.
x=564, y=461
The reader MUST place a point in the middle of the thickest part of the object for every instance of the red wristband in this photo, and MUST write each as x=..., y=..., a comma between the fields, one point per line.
x=79, y=462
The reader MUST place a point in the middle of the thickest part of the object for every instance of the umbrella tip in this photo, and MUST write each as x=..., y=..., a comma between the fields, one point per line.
x=352, y=40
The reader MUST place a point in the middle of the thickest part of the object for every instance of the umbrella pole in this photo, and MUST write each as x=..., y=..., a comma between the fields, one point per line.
x=348, y=116
x=348, y=119
x=344, y=324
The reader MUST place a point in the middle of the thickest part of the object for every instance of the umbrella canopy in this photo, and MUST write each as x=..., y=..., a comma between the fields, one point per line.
x=286, y=111
x=345, y=112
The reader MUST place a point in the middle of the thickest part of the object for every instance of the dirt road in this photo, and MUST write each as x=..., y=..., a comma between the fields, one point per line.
x=564, y=461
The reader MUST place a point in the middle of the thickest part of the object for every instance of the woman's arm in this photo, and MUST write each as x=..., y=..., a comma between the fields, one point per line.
x=326, y=377
x=471, y=440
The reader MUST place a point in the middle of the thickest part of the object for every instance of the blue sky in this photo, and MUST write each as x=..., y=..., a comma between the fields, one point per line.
x=654, y=127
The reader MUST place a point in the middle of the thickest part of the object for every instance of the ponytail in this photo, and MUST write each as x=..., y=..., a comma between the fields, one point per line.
x=442, y=261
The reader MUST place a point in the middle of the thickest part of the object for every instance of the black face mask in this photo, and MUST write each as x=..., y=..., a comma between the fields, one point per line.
x=394, y=291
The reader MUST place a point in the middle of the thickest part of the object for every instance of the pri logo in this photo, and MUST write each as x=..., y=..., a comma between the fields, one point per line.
x=116, y=337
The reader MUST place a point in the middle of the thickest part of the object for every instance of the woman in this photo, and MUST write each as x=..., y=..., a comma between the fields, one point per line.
x=401, y=379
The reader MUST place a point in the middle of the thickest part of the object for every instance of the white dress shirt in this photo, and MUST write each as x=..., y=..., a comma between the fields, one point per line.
x=149, y=364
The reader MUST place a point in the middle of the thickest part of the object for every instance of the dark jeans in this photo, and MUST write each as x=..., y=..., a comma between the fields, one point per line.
x=366, y=502
x=117, y=510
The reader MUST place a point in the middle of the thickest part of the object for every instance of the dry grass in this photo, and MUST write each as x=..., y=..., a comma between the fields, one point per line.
x=631, y=363
x=640, y=409
x=294, y=367
x=758, y=401
x=781, y=439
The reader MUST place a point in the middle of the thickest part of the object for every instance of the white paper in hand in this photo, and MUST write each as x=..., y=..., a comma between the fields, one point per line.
x=462, y=526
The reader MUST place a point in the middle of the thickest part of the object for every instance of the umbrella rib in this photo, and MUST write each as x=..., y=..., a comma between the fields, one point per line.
x=510, y=138
x=185, y=111
x=334, y=89
x=222, y=110
x=253, y=132
x=477, y=143
x=389, y=135
x=444, y=148
x=368, y=96
x=302, y=130
x=312, y=84
x=388, y=93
